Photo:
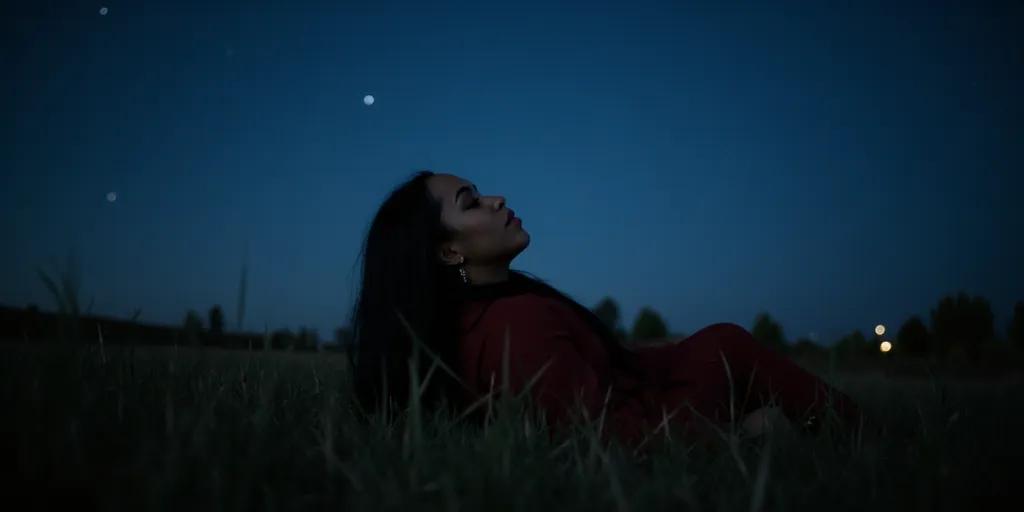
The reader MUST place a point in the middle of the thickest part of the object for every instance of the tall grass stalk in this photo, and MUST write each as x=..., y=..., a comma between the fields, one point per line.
x=64, y=286
x=242, y=285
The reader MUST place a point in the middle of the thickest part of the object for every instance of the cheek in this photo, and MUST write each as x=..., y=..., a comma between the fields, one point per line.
x=477, y=231
x=478, y=234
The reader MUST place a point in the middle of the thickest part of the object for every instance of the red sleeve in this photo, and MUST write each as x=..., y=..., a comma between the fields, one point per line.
x=539, y=335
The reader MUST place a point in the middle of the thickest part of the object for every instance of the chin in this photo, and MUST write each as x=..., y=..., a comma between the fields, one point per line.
x=521, y=245
x=526, y=240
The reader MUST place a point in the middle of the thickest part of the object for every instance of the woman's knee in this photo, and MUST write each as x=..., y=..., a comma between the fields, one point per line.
x=730, y=333
x=729, y=327
x=719, y=340
x=733, y=342
x=723, y=329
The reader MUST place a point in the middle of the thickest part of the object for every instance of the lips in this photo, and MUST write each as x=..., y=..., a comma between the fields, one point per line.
x=511, y=215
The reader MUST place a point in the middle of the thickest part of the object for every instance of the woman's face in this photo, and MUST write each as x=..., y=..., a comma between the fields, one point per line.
x=483, y=236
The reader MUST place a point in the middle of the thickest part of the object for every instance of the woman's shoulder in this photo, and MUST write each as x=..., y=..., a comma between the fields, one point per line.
x=527, y=301
x=528, y=309
x=517, y=305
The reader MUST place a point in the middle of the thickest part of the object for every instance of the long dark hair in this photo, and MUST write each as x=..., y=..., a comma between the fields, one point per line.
x=402, y=275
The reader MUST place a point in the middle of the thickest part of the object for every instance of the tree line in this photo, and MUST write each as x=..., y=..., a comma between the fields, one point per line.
x=958, y=325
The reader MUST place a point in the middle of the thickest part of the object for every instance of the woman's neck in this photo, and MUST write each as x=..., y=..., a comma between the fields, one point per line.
x=487, y=275
x=512, y=285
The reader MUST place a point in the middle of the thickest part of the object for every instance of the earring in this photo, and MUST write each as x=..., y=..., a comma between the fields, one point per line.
x=462, y=272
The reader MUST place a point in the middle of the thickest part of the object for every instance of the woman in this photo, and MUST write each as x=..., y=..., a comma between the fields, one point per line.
x=436, y=262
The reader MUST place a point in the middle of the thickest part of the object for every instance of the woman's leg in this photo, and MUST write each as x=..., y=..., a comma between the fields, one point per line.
x=704, y=364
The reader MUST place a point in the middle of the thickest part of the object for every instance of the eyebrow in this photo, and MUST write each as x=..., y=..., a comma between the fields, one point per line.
x=464, y=188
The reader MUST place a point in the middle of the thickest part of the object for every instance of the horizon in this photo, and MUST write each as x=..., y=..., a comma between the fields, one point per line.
x=890, y=334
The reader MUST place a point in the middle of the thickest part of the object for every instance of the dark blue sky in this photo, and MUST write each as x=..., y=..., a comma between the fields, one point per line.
x=835, y=167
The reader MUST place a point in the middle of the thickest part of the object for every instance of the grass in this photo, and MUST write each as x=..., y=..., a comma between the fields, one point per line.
x=173, y=428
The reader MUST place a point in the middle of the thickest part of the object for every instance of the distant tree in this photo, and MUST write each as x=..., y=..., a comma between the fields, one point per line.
x=1015, y=332
x=343, y=336
x=913, y=338
x=216, y=321
x=648, y=325
x=806, y=347
x=768, y=332
x=282, y=339
x=192, y=328
x=306, y=339
x=608, y=311
x=341, y=342
x=963, y=323
x=854, y=344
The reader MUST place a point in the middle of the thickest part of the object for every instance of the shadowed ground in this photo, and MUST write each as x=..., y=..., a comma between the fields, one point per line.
x=165, y=428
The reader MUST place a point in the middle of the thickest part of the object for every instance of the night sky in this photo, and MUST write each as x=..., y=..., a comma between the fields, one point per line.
x=837, y=168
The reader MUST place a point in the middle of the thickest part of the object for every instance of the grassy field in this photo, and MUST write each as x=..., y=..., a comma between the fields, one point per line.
x=176, y=429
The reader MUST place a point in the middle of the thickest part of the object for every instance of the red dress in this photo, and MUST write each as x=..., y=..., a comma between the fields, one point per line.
x=663, y=379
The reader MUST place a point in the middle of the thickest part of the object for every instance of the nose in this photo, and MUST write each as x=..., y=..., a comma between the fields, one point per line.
x=499, y=203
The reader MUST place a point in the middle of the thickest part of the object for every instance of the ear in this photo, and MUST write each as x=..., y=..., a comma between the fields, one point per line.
x=449, y=255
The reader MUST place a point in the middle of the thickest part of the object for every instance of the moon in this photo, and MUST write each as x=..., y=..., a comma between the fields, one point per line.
x=103, y=11
x=368, y=99
x=111, y=197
